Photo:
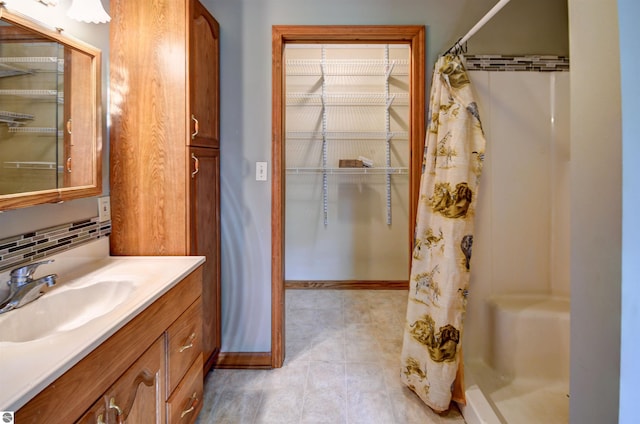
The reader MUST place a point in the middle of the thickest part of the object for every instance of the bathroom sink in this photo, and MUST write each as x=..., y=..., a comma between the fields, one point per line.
x=63, y=309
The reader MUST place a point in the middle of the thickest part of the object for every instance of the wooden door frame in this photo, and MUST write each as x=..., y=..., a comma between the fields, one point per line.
x=414, y=35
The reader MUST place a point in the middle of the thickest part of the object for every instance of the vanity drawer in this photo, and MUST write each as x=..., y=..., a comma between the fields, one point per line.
x=184, y=344
x=185, y=403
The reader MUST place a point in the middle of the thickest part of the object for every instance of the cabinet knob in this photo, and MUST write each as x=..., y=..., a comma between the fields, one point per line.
x=196, y=127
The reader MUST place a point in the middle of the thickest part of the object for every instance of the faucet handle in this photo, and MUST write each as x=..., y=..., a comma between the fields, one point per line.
x=24, y=273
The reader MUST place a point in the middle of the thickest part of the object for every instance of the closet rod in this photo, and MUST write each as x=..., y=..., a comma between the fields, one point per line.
x=486, y=18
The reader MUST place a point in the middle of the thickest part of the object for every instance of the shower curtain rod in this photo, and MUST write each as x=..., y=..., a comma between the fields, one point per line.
x=486, y=18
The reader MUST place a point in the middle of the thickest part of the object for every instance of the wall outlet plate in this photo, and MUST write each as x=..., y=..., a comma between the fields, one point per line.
x=104, y=208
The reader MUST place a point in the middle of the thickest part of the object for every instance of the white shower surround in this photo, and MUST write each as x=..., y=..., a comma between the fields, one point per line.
x=521, y=247
x=526, y=377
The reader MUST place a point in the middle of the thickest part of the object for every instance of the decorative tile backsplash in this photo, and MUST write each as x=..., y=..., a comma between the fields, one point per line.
x=39, y=244
x=534, y=63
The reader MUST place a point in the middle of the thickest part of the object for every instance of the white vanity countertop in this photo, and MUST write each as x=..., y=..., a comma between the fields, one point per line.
x=26, y=368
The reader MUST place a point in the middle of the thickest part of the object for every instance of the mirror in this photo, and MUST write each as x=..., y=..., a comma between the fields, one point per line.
x=50, y=117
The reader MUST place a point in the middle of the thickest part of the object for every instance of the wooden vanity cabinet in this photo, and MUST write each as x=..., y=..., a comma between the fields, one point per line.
x=165, y=157
x=150, y=371
x=137, y=396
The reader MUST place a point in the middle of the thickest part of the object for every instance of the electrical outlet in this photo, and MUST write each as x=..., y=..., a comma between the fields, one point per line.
x=104, y=209
x=261, y=171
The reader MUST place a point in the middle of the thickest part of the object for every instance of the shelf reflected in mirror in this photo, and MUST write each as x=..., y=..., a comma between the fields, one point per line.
x=50, y=123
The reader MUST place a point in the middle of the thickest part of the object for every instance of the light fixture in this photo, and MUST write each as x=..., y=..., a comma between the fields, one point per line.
x=49, y=2
x=88, y=11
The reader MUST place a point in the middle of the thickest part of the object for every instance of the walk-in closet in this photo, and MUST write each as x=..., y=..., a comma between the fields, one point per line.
x=347, y=156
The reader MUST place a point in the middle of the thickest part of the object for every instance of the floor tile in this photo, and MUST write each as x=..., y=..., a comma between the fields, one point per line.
x=235, y=407
x=327, y=350
x=365, y=377
x=369, y=407
x=409, y=409
x=342, y=365
x=363, y=350
x=291, y=376
x=326, y=375
x=327, y=405
x=280, y=406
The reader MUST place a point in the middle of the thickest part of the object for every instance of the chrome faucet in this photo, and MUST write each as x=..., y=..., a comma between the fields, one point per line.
x=23, y=288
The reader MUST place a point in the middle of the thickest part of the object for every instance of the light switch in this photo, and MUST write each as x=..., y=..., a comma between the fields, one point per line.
x=261, y=171
x=104, y=209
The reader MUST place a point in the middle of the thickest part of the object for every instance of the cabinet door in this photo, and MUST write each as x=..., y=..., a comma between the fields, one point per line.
x=138, y=395
x=205, y=241
x=204, y=80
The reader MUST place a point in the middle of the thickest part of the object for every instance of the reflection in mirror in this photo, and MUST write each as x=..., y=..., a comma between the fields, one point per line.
x=31, y=95
x=78, y=169
x=49, y=115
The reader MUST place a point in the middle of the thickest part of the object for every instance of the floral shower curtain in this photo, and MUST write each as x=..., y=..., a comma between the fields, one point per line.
x=452, y=164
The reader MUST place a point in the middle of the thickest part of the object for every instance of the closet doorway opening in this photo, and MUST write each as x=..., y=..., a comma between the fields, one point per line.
x=348, y=134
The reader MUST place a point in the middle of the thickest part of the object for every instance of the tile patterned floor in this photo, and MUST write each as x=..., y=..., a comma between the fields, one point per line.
x=342, y=366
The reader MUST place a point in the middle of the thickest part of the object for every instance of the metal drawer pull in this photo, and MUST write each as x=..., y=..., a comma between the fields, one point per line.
x=188, y=343
x=194, y=402
x=196, y=165
x=100, y=419
x=196, y=127
x=112, y=405
x=69, y=164
x=69, y=126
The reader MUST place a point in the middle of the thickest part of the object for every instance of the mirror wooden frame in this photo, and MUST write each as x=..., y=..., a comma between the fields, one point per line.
x=61, y=194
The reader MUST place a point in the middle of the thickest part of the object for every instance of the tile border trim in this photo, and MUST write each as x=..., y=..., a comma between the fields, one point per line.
x=535, y=63
x=37, y=245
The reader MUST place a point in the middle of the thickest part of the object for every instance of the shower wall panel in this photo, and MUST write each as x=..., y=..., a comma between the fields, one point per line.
x=522, y=233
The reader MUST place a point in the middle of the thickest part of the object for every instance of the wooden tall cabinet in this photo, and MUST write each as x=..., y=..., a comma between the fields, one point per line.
x=205, y=241
x=204, y=90
x=165, y=159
